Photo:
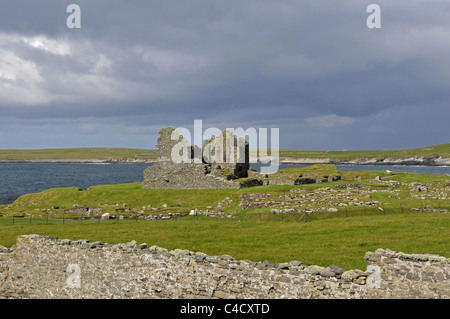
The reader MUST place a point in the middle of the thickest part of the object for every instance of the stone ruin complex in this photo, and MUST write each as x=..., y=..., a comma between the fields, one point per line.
x=222, y=162
x=216, y=165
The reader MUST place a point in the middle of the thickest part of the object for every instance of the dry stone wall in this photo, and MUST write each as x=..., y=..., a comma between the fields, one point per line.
x=45, y=267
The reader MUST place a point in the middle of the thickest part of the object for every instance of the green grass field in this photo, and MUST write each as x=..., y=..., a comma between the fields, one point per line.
x=342, y=241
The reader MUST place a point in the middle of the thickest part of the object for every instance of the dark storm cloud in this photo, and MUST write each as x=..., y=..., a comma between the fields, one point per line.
x=312, y=68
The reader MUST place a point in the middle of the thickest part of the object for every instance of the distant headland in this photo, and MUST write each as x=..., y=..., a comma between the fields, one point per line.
x=436, y=155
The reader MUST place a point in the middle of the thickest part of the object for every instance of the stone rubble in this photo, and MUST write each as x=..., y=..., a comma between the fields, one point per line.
x=307, y=200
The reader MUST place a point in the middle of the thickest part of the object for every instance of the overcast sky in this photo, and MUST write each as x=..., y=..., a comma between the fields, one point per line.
x=311, y=68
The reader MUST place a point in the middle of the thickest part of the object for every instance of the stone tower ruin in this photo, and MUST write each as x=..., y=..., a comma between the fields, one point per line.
x=222, y=162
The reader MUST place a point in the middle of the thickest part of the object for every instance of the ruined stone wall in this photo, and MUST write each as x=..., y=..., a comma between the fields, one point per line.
x=186, y=176
x=213, y=173
x=233, y=153
x=45, y=267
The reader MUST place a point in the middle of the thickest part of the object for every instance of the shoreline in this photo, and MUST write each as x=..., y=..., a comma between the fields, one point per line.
x=440, y=162
x=401, y=161
x=82, y=161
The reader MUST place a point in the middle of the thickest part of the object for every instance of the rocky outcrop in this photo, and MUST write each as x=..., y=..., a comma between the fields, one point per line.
x=46, y=268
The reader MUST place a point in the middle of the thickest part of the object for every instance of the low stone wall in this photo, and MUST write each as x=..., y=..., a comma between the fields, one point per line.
x=46, y=267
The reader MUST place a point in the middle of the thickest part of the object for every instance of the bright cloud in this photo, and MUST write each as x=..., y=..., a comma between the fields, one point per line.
x=20, y=80
x=53, y=46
